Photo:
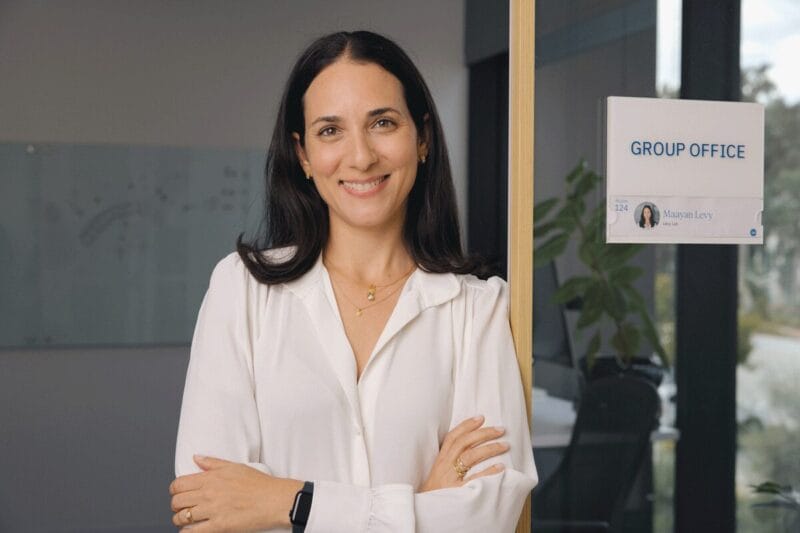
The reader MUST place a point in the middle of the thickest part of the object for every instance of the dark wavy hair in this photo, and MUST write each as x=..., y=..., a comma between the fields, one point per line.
x=295, y=214
x=652, y=216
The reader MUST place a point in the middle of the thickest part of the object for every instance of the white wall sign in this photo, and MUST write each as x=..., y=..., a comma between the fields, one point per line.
x=684, y=171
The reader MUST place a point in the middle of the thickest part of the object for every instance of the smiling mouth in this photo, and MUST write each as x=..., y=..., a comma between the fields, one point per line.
x=363, y=186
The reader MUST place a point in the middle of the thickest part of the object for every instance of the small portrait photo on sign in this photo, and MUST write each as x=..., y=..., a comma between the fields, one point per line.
x=646, y=215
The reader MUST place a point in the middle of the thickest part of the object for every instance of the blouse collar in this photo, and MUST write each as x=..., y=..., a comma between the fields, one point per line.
x=422, y=291
x=432, y=289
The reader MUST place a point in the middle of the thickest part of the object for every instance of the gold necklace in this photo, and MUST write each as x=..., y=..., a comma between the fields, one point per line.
x=360, y=309
x=372, y=289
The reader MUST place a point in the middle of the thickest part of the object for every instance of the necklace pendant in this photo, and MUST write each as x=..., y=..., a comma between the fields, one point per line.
x=371, y=293
x=359, y=312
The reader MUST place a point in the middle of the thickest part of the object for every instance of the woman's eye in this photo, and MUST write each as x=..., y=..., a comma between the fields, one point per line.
x=384, y=123
x=327, y=132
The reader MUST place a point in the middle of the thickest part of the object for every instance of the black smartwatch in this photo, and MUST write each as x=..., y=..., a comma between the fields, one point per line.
x=298, y=516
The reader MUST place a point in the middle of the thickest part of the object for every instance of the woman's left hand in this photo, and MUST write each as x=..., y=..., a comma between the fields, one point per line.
x=229, y=496
x=464, y=444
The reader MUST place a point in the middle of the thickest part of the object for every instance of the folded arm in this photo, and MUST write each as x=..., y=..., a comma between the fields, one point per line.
x=219, y=418
x=487, y=382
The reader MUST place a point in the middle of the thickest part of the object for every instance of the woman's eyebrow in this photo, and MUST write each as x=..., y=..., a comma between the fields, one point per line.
x=381, y=111
x=373, y=113
x=328, y=118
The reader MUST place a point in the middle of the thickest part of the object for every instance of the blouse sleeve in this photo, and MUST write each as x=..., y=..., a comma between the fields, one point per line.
x=487, y=382
x=218, y=413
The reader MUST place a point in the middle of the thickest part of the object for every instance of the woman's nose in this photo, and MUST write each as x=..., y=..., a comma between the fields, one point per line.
x=363, y=154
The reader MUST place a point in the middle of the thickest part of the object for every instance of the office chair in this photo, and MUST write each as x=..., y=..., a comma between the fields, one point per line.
x=588, y=490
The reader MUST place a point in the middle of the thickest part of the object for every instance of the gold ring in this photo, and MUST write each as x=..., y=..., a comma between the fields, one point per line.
x=188, y=515
x=460, y=468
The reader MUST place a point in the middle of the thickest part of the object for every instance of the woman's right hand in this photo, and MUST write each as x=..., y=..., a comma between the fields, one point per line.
x=465, y=442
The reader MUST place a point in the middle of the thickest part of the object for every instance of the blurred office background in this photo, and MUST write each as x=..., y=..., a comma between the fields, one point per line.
x=132, y=138
x=132, y=145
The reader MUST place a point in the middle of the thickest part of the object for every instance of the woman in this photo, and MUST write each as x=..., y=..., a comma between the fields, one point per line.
x=646, y=217
x=349, y=370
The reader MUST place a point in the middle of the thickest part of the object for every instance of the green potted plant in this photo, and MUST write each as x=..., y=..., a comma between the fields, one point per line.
x=606, y=289
x=783, y=504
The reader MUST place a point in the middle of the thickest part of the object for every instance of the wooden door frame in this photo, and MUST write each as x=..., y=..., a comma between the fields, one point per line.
x=520, y=198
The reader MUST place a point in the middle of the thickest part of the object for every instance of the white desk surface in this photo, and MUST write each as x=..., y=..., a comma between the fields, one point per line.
x=553, y=419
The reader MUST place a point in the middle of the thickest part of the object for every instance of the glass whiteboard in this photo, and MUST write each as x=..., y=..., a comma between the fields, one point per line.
x=114, y=245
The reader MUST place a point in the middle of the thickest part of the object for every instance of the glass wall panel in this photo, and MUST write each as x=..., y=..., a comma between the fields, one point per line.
x=585, y=52
x=668, y=82
x=768, y=401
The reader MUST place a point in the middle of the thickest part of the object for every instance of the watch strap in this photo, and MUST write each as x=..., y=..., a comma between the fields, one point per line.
x=301, y=509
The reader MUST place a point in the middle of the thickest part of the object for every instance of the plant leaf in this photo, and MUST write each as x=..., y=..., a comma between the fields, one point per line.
x=616, y=255
x=636, y=300
x=587, y=182
x=565, y=219
x=542, y=209
x=589, y=252
x=592, y=308
x=625, y=275
x=595, y=224
x=626, y=341
x=572, y=288
x=770, y=487
x=589, y=315
x=550, y=249
x=593, y=233
x=614, y=302
x=597, y=219
x=544, y=229
x=577, y=171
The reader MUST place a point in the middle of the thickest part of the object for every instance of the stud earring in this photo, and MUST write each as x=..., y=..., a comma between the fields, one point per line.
x=422, y=159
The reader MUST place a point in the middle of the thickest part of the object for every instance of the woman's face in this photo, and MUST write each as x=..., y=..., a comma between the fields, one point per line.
x=647, y=213
x=361, y=145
